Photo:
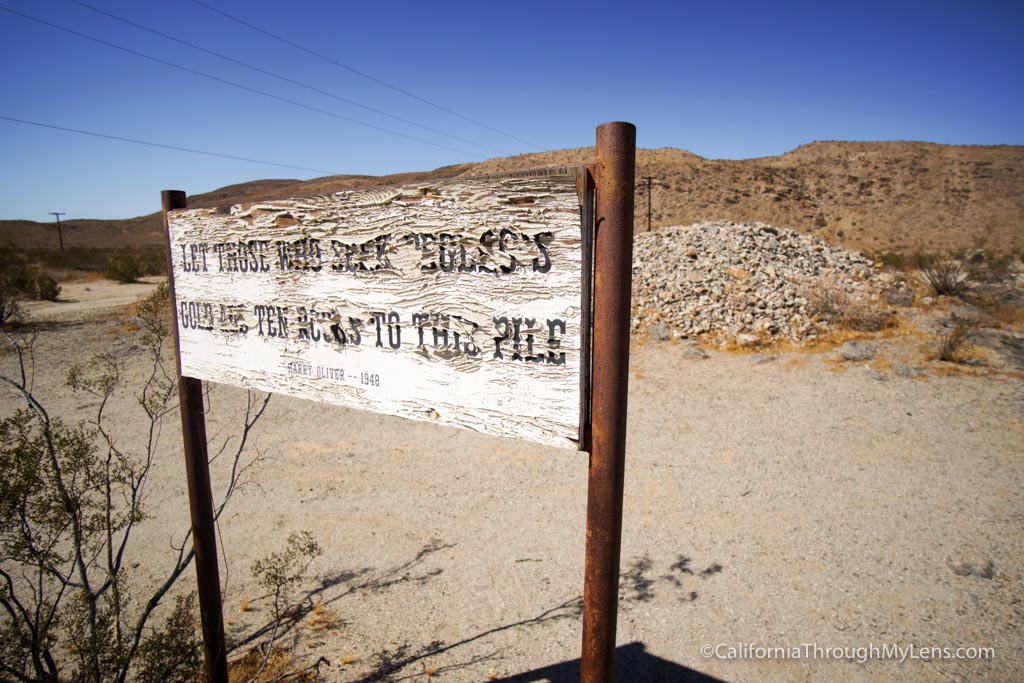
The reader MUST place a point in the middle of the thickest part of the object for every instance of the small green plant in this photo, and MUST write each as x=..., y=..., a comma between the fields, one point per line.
x=47, y=288
x=16, y=285
x=278, y=573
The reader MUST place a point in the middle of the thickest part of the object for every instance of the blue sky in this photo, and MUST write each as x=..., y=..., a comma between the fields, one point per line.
x=725, y=80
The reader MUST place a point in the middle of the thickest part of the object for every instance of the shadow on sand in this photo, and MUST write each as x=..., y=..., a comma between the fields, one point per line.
x=632, y=663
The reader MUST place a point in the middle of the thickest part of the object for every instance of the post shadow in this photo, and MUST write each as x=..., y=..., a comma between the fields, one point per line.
x=632, y=663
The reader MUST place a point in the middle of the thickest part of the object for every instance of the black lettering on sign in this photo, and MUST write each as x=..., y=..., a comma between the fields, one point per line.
x=543, y=241
x=371, y=256
x=504, y=330
x=423, y=242
x=419, y=320
x=514, y=340
x=308, y=329
x=349, y=334
x=451, y=333
x=193, y=257
x=327, y=327
x=393, y=321
x=334, y=374
x=447, y=252
x=555, y=342
x=302, y=369
x=378, y=321
x=440, y=329
x=271, y=321
x=503, y=243
x=394, y=330
x=195, y=315
x=243, y=257
x=232, y=319
x=301, y=254
x=485, y=252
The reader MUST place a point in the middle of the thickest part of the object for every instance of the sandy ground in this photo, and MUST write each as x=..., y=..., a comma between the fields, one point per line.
x=87, y=298
x=789, y=500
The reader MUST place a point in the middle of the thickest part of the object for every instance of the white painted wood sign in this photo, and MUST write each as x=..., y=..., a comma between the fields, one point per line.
x=459, y=302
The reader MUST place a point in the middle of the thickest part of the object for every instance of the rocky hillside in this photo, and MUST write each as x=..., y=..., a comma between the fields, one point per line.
x=873, y=197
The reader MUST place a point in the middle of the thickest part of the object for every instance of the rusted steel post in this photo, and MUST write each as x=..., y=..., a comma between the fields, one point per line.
x=613, y=270
x=200, y=494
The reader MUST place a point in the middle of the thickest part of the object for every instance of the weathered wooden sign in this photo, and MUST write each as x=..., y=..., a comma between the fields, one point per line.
x=460, y=302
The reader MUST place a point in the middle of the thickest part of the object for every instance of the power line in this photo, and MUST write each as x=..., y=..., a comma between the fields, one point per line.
x=364, y=75
x=157, y=144
x=282, y=78
x=233, y=84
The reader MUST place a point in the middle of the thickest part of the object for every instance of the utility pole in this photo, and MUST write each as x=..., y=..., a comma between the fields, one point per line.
x=648, y=179
x=60, y=235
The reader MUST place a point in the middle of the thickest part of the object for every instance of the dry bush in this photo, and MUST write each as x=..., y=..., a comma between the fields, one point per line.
x=831, y=303
x=953, y=338
x=990, y=268
x=947, y=275
x=276, y=664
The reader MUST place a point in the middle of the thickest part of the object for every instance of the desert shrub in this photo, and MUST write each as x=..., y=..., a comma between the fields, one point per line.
x=150, y=260
x=989, y=268
x=16, y=284
x=893, y=259
x=827, y=302
x=278, y=573
x=153, y=262
x=47, y=288
x=171, y=654
x=952, y=338
x=124, y=268
x=831, y=303
x=70, y=496
x=947, y=275
x=76, y=258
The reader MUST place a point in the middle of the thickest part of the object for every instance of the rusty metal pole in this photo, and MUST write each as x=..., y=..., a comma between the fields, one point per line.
x=200, y=493
x=613, y=270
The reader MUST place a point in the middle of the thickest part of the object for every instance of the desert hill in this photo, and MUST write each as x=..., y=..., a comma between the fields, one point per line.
x=875, y=197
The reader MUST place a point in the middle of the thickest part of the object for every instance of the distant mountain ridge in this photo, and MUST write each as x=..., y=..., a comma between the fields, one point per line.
x=871, y=196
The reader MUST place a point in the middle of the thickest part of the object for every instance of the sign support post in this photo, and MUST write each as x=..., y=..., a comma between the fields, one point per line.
x=615, y=173
x=200, y=494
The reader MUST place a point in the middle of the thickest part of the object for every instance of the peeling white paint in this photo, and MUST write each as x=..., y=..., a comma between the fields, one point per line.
x=456, y=302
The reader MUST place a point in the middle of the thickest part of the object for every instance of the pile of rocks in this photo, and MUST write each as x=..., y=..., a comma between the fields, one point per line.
x=745, y=283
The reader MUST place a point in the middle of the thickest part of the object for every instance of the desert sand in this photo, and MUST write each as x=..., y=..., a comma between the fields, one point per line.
x=773, y=500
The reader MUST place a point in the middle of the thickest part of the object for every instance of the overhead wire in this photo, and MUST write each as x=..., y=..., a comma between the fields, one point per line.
x=362, y=74
x=158, y=144
x=235, y=85
x=280, y=77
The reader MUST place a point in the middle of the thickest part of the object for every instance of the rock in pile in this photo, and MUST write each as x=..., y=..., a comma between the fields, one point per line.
x=745, y=283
